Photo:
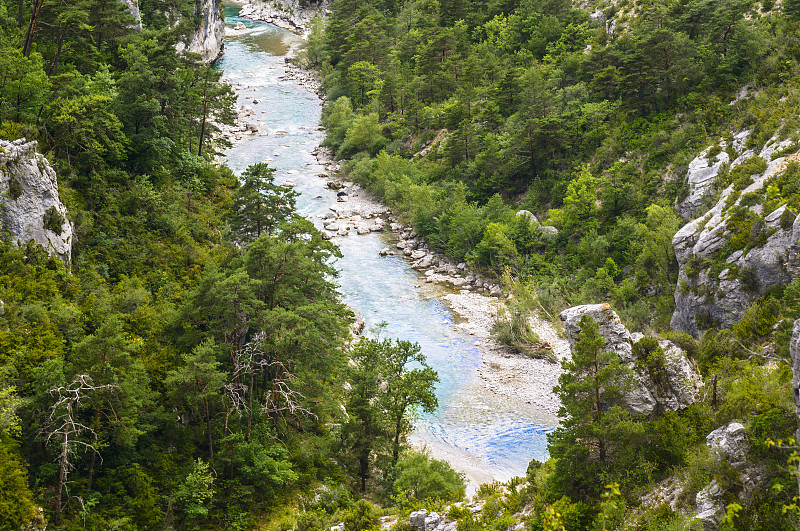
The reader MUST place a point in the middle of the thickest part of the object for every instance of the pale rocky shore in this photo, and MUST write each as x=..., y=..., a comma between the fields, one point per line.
x=286, y=14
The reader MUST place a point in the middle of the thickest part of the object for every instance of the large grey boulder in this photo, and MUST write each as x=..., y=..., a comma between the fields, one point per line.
x=721, y=296
x=207, y=41
x=31, y=207
x=676, y=389
x=729, y=442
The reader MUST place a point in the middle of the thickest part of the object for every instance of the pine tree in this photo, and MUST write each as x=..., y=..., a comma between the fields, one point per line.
x=592, y=382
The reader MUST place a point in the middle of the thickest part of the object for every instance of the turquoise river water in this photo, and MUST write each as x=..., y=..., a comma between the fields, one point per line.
x=479, y=434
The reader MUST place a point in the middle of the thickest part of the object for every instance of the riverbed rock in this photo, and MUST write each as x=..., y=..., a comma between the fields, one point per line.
x=423, y=262
x=358, y=323
x=719, y=276
x=677, y=388
x=416, y=255
x=363, y=229
x=31, y=207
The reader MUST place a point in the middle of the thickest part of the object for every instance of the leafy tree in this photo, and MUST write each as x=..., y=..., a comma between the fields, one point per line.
x=384, y=394
x=198, y=383
x=425, y=478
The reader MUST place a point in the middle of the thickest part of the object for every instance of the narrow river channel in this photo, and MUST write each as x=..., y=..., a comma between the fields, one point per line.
x=481, y=434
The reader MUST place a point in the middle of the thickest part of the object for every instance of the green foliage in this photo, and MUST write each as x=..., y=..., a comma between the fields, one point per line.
x=384, y=397
x=53, y=220
x=14, y=188
x=16, y=501
x=259, y=205
x=425, y=478
x=196, y=492
x=362, y=516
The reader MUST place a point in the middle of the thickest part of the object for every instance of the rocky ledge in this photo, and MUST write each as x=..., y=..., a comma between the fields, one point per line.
x=287, y=14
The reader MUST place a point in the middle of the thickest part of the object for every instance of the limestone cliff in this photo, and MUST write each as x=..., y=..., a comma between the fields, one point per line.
x=743, y=246
x=207, y=41
x=676, y=386
x=133, y=7
x=31, y=208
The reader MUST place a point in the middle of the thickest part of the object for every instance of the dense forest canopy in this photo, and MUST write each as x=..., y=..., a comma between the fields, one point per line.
x=191, y=367
x=185, y=369
x=472, y=118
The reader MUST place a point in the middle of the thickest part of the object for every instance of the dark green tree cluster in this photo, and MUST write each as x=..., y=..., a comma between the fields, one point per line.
x=185, y=370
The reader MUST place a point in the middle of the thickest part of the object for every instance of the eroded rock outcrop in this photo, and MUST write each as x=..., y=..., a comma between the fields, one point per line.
x=290, y=15
x=31, y=208
x=728, y=444
x=207, y=41
x=744, y=246
x=676, y=386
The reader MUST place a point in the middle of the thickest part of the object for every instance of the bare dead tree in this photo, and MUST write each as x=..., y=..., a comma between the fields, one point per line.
x=64, y=429
x=281, y=398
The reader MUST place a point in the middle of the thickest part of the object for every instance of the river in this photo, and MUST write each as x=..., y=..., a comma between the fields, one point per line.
x=482, y=434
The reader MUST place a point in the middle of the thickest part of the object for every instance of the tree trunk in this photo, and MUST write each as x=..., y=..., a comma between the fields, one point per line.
x=208, y=429
x=93, y=460
x=26, y=49
x=54, y=65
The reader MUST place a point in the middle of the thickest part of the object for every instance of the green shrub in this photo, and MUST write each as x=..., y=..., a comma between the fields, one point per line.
x=53, y=220
x=425, y=478
x=14, y=188
x=362, y=516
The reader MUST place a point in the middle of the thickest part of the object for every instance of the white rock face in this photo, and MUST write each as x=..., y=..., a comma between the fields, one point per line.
x=29, y=188
x=133, y=7
x=709, y=504
x=207, y=41
x=682, y=381
x=730, y=441
x=725, y=298
x=700, y=178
